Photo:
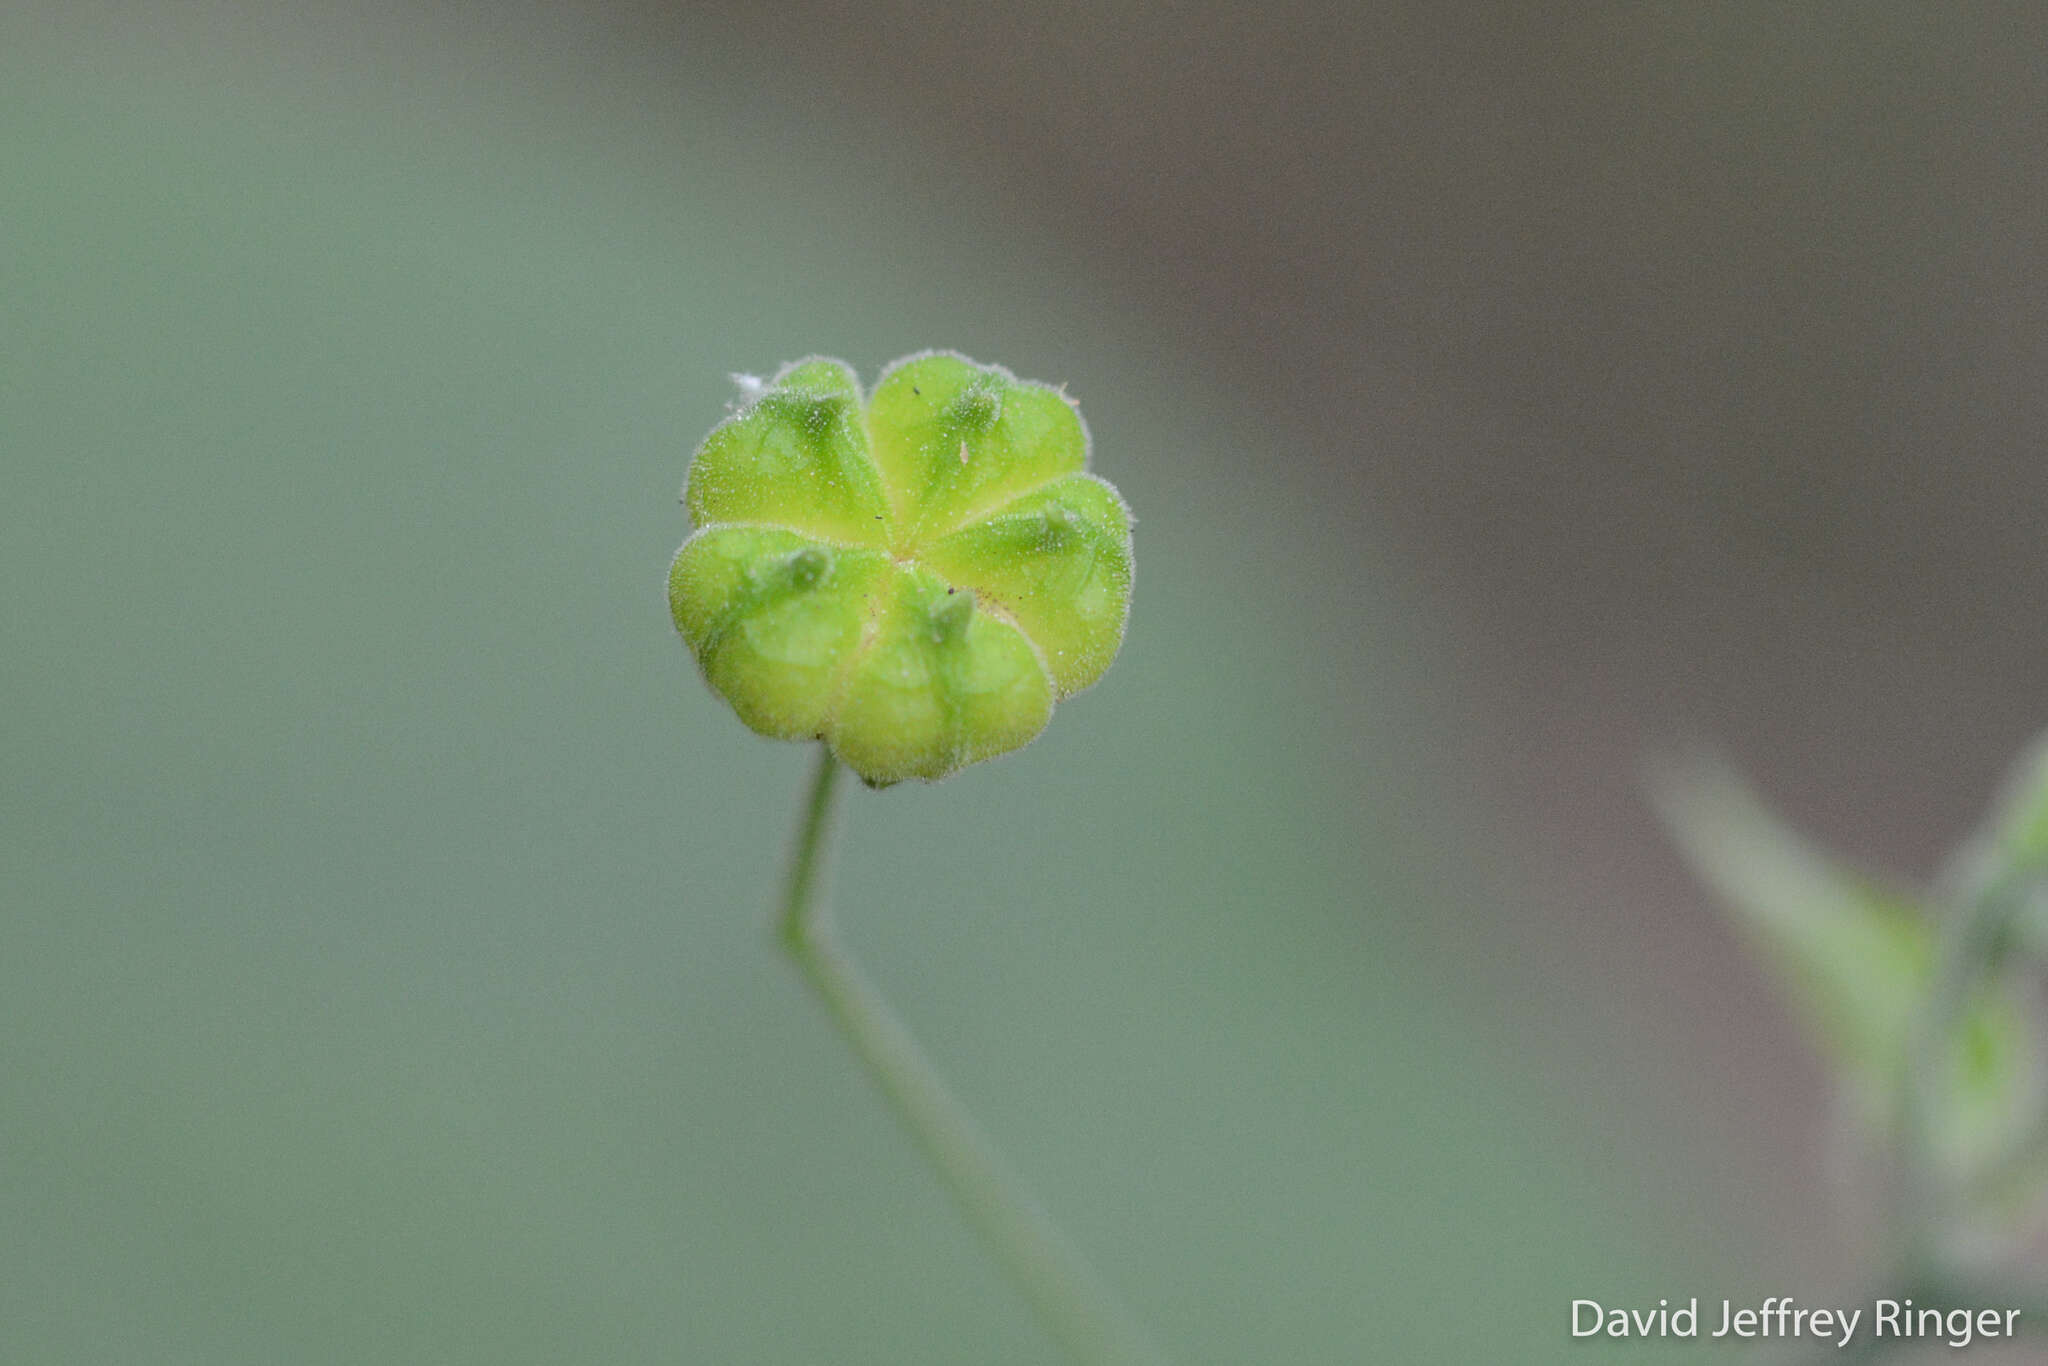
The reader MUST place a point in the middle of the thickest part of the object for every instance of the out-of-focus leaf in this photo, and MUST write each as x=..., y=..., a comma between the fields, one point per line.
x=1857, y=958
x=2019, y=822
x=2009, y=856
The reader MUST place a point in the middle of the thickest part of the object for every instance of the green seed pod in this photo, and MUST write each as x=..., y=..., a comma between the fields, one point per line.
x=915, y=578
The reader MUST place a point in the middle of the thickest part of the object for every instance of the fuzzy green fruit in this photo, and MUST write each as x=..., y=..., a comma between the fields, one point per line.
x=914, y=578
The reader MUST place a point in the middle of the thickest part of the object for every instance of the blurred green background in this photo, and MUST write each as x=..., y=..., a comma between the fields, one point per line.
x=383, y=959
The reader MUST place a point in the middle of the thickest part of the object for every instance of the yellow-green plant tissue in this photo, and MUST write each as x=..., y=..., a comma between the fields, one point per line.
x=913, y=576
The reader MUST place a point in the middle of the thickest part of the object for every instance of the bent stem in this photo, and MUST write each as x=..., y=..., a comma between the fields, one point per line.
x=1076, y=1304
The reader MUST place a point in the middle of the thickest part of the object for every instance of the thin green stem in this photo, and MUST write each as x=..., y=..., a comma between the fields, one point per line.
x=1076, y=1304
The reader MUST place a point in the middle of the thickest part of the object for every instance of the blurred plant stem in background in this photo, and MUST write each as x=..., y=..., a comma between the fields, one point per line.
x=1075, y=1302
x=1921, y=1007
